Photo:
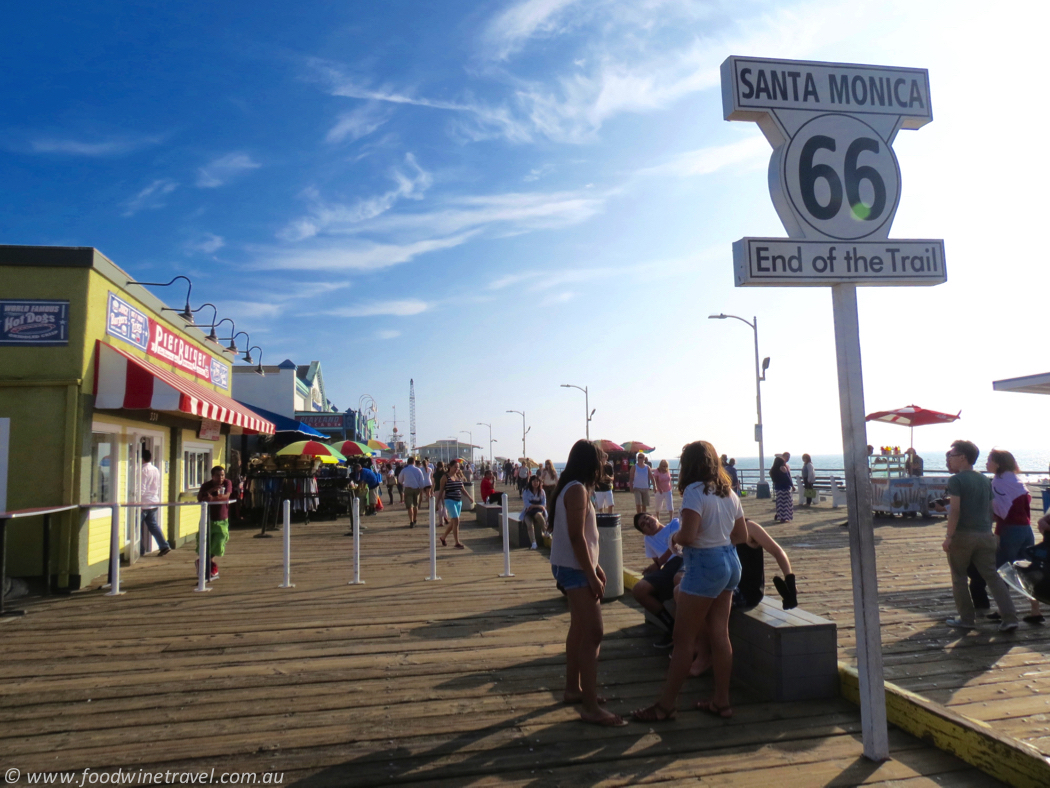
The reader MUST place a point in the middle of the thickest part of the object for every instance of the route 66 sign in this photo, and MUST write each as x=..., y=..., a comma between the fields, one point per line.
x=833, y=177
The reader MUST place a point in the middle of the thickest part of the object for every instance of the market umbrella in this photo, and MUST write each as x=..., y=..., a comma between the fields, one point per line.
x=608, y=446
x=354, y=449
x=912, y=416
x=314, y=449
x=529, y=462
x=379, y=445
x=633, y=447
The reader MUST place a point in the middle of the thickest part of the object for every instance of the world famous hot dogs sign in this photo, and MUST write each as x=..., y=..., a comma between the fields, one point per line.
x=833, y=176
x=133, y=326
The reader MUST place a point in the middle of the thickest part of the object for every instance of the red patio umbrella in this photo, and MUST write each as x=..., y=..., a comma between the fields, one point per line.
x=912, y=416
x=608, y=446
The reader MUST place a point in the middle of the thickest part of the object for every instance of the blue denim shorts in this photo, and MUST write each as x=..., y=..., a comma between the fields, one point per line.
x=453, y=508
x=710, y=570
x=569, y=578
x=1012, y=542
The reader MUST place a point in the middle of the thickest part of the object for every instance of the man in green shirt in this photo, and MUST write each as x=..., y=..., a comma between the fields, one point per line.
x=970, y=537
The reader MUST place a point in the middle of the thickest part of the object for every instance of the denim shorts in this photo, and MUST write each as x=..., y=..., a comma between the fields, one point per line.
x=569, y=578
x=1012, y=541
x=710, y=570
x=453, y=508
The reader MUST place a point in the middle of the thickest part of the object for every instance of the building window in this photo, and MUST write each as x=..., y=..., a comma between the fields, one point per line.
x=198, y=468
x=103, y=461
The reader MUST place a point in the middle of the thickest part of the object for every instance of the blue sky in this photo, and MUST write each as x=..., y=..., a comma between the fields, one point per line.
x=495, y=198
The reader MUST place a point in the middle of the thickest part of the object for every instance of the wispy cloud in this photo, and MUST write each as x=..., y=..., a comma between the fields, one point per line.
x=504, y=214
x=557, y=298
x=535, y=281
x=337, y=217
x=358, y=123
x=753, y=150
x=351, y=256
x=116, y=146
x=209, y=243
x=404, y=308
x=151, y=197
x=224, y=169
x=508, y=31
x=485, y=120
x=388, y=334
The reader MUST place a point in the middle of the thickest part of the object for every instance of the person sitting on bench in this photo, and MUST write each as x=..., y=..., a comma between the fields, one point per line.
x=534, y=515
x=658, y=579
x=488, y=490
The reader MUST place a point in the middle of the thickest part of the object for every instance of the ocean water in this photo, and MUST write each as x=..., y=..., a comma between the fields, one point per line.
x=1033, y=462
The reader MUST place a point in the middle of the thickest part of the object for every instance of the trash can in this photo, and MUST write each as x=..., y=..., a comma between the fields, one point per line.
x=1046, y=500
x=467, y=505
x=610, y=554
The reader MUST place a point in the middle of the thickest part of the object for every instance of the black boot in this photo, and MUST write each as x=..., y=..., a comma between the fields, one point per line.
x=786, y=588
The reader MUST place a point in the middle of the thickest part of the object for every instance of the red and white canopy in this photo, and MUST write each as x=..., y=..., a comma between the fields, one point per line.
x=123, y=381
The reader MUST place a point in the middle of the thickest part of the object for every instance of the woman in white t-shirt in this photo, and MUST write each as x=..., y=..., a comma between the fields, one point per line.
x=574, y=564
x=712, y=520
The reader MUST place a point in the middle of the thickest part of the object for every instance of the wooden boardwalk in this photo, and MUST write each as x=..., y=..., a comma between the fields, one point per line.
x=457, y=682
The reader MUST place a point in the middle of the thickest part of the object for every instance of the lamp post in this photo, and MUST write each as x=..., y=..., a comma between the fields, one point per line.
x=524, y=432
x=762, y=490
x=470, y=437
x=483, y=424
x=186, y=314
x=587, y=412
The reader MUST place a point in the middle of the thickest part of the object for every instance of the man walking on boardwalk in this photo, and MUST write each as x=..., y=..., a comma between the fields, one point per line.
x=415, y=482
x=970, y=538
x=151, y=494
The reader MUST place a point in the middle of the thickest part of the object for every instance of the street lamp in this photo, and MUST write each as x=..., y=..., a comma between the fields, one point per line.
x=762, y=490
x=491, y=441
x=587, y=412
x=470, y=436
x=524, y=432
x=186, y=314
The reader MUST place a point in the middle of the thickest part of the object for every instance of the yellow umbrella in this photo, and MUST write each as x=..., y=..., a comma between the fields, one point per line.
x=374, y=444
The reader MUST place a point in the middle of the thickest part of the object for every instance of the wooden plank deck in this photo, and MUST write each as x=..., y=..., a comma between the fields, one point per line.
x=457, y=682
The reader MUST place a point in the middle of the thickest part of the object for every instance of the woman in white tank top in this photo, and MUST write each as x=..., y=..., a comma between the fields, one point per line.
x=574, y=564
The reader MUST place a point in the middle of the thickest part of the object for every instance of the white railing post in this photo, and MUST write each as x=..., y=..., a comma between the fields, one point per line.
x=433, y=543
x=287, y=511
x=356, y=515
x=203, y=559
x=114, y=552
x=506, y=536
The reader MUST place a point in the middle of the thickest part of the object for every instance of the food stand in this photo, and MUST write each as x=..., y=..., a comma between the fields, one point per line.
x=895, y=492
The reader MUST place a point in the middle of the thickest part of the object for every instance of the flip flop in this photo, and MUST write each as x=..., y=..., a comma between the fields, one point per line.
x=461, y=547
x=654, y=713
x=606, y=721
x=712, y=708
x=442, y=540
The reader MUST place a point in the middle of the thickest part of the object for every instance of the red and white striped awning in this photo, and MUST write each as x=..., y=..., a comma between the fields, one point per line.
x=123, y=381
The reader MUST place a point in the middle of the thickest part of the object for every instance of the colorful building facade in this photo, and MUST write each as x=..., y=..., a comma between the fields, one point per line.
x=93, y=370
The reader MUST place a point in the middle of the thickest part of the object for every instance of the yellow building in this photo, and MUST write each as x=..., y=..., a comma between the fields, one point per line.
x=92, y=371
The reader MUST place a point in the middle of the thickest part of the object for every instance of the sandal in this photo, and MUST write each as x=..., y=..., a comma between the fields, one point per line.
x=723, y=712
x=1032, y=619
x=654, y=713
x=461, y=547
x=442, y=540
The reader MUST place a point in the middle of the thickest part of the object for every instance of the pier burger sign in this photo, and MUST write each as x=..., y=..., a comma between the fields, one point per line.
x=833, y=177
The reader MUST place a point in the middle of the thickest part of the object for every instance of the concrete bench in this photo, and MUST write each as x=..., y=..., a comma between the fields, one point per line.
x=490, y=515
x=827, y=487
x=781, y=655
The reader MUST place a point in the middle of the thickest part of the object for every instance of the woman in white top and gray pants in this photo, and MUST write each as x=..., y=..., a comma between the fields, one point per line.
x=574, y=564
x=712, y=522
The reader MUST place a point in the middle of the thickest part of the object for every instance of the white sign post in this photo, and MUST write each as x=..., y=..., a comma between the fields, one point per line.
x=835, y=183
